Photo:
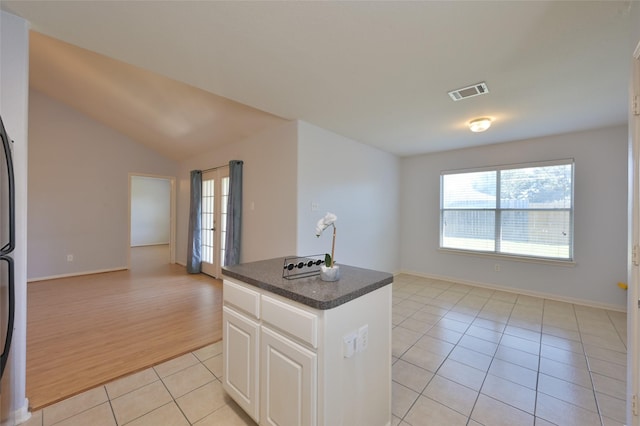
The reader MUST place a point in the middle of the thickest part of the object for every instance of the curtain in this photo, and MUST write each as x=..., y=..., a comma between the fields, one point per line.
x=195, y=219
x=234, y=214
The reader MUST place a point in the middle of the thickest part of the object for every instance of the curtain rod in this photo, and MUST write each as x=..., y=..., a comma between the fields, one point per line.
x=219, y=167
x=213, y=168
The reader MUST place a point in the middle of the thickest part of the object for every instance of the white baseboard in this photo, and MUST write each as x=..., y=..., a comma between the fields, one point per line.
x=77, y=274
x=150, y=244
x=575, y=301
x=23, y=414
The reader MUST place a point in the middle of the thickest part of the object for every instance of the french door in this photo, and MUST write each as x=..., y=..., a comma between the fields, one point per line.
x=215, y=192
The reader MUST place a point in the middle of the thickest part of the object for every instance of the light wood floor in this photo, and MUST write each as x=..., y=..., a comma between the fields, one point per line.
x=88, y=330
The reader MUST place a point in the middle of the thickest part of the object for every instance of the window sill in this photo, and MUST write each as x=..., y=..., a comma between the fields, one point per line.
x=539, y=260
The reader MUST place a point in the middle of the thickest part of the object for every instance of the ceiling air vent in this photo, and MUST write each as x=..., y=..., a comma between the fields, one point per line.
x=469, y=92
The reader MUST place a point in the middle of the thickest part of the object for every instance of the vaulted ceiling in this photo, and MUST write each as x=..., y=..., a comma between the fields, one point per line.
x=186, y=76
x=176, y=119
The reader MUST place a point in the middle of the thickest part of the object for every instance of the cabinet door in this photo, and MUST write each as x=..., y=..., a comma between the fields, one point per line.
x=288, y=382
x=240, y=360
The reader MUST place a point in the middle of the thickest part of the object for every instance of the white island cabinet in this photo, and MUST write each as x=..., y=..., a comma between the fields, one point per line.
x=306, y=352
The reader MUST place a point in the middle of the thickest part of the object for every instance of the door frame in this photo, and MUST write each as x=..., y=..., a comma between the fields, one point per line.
x=172, y=217
x=633, y=294
x=219, y=173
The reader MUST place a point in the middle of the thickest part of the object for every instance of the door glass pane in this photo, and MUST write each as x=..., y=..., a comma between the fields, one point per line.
x=223, y=217
x=208, y=220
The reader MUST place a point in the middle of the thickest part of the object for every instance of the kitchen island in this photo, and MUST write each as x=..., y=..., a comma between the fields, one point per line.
x=304, y=351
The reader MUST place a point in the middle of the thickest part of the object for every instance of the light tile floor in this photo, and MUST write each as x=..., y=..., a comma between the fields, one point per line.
x=461, y=355
x=183, y=391
x=466, y=355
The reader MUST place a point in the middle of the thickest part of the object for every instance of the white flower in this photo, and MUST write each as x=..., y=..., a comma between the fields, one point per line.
x=328, y=220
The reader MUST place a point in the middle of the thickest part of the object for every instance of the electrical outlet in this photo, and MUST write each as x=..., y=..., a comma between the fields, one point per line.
x=69, y=258
x=496, y=267
x=363, y=338
x=315, y=207
x=349, y=344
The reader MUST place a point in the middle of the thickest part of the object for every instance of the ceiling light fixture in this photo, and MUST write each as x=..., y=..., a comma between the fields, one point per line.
x=480, y=124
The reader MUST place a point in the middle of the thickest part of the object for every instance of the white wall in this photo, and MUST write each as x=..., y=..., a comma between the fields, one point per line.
x=14, y=83
x=79, y=190
x=600, y=226
x=360, y=185
x=150, y=211
x=282, y=176
x=269, y=185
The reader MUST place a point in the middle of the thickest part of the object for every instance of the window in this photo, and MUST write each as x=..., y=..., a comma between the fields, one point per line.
x=524, y=210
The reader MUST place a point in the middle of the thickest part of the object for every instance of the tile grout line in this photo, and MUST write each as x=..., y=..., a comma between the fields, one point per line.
x=535, y=405
x=469, y=419
x=113, y=413
x=434, y=373
x=159, y=378
x=494, y=357
x=586, y=358
x=464, y=333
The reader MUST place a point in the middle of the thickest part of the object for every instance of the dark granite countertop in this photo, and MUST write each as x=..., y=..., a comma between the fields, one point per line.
x=311, y=291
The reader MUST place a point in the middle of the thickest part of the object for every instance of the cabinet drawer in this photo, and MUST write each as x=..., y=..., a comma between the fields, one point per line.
x=241, y=297
x=295, y=321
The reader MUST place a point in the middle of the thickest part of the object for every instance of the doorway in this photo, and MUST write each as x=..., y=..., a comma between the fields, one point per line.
x=215, y=192
x=152, y=212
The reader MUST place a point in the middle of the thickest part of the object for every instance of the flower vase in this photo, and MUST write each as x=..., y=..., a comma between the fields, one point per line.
x=329, y=273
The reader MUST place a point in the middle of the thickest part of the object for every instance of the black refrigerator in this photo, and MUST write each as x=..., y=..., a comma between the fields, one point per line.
x=7, y=281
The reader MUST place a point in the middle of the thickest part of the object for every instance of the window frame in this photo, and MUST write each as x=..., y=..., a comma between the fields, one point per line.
x=498, y=210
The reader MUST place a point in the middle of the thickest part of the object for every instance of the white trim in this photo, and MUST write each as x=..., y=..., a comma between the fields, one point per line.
x=513, y=166
x=633, y=366
x=504, y=256
x=22, y=415
x=76, y=274
x=218, y=175
x=152, y=245
x=172, y=214
x=540, y=294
